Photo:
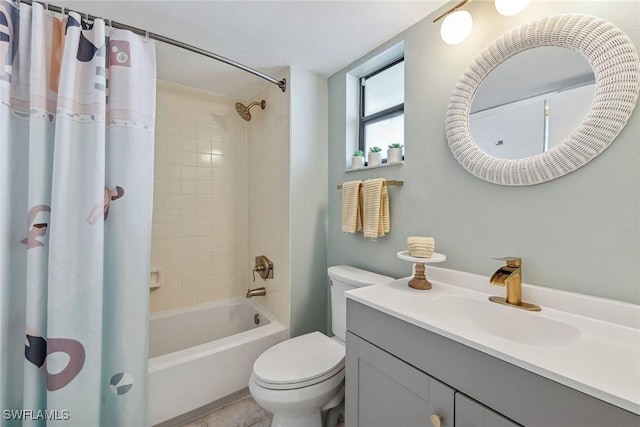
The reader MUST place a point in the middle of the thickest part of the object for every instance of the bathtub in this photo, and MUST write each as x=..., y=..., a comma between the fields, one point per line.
x=201, y=355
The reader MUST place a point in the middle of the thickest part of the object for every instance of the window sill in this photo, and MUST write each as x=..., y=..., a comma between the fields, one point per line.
x=384, y=165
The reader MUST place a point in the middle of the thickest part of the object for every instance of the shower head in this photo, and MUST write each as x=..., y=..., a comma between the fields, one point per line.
x=243, y=110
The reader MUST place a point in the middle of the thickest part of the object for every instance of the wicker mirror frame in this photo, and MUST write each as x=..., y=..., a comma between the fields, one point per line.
x=616, y=66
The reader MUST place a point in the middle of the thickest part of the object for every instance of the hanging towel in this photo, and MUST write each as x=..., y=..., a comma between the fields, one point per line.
x=376, y=221
x=352, y=206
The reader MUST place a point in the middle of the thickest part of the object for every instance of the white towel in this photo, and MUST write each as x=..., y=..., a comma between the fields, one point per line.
x=375, y=206
x=352, y=206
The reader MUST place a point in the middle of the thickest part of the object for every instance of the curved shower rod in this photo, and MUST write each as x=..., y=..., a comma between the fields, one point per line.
x=282, y=84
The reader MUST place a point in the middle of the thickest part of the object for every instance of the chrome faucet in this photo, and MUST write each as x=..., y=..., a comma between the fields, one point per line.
x=257, y=292
x=510, y=275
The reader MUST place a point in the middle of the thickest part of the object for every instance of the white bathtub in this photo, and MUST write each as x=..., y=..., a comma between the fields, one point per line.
x=203, y=354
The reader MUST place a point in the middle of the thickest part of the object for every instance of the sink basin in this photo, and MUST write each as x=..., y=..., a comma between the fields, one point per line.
x=504, y=322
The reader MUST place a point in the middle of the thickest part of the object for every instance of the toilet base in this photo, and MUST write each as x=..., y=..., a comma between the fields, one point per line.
x=311, y=420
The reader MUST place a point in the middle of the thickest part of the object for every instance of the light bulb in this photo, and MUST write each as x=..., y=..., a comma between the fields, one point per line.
x=456, y=27
x=511, y=7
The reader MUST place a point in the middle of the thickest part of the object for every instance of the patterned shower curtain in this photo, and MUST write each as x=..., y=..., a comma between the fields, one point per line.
x=77, y=110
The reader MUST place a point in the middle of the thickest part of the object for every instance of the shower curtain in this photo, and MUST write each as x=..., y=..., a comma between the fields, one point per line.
x=77, y=110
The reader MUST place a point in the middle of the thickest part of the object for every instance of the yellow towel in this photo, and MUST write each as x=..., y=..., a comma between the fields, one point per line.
x=352, y=206
x=375, y=207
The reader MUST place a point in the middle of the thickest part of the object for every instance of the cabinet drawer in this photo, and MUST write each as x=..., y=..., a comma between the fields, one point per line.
x=470, y=413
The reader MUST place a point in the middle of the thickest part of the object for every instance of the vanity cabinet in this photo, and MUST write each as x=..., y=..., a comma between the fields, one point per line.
x=399, y=374
x=394, y=393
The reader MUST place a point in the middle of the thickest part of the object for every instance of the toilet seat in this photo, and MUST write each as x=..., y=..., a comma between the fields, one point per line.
x=299, y=362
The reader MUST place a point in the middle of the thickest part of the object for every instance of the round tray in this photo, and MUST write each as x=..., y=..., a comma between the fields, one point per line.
x=436, y=257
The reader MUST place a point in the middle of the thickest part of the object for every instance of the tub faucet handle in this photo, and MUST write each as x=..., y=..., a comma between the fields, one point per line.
x=264, y=267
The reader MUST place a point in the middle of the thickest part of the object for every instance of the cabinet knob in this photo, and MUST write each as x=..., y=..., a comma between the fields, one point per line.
x=436, y=420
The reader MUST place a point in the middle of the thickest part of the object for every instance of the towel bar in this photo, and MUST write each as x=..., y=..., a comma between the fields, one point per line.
x=389, y=182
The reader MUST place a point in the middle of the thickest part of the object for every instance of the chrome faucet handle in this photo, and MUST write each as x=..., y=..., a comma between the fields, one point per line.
x=511, y=261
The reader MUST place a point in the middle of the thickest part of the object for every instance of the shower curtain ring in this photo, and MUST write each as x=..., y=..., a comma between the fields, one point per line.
x=146, y=35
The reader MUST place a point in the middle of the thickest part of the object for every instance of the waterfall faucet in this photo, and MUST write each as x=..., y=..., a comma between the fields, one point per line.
x=256, y=292
x=510, y=275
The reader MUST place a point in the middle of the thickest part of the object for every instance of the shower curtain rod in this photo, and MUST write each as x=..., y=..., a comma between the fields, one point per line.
x=282, y=84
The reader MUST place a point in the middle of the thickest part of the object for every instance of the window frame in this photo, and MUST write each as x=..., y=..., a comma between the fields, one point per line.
x=387, y=113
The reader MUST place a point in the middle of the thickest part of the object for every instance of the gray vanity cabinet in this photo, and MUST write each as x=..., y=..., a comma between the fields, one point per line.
x=470, y=413
x=392, y=393
x=399, y=375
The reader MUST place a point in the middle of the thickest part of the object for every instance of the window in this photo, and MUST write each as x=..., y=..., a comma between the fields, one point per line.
x=382, y=107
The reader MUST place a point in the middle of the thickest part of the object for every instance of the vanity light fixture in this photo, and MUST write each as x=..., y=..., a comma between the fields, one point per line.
x=457, y=24
x=511, y=7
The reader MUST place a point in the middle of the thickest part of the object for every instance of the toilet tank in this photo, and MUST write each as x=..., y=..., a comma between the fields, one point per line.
x=345, y=278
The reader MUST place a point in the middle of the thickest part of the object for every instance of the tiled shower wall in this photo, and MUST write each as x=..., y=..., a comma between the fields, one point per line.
x=200, y=199
x=268, y=138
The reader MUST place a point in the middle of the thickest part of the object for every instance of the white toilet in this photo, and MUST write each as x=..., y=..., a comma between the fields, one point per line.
x=299, y=378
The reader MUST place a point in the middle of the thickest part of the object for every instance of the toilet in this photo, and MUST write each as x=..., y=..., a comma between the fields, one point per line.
x=299, y=378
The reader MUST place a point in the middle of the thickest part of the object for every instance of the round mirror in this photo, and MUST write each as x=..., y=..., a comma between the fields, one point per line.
x=531, y=102
x=501, y=158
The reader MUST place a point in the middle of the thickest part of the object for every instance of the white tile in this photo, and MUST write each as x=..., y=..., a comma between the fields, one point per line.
x=172, y=172
x=188, y=172
x=157, y=305
x=204, y=187
x=173, y=274
x=189, y=144
x=189, y=215
x=189, y=286
x=217, y=161
x=172, y=157
x=189, y=201
x=204, y=160
x=188, y=158
x=174, y=303
x=189, y=300
x=189, y=187
x=217, y=148
x=204, y=174
x=188, y=131
x=172, y=216
x=204, y=132
x=172, y=187
x=204, y=146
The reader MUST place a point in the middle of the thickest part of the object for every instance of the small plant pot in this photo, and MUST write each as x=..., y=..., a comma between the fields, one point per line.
x=394, y=155
x=357, y=162
x=375, y=159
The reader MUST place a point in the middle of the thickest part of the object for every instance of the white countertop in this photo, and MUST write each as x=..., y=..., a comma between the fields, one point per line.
x=587, y=343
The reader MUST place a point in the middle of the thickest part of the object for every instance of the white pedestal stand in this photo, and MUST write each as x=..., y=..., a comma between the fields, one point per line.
x=419, y=280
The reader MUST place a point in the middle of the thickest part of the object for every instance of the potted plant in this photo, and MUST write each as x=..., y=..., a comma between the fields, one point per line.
x=375, y=158
x=357, y=160
x=394, y=153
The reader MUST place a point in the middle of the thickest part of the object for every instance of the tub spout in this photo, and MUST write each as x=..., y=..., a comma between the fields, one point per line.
x=256, y=292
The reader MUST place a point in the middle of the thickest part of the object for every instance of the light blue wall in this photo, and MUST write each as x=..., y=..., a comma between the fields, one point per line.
x=308, y=168
x=579, y=233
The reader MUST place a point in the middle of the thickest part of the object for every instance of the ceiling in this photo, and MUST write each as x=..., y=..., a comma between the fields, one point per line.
x=267, y=35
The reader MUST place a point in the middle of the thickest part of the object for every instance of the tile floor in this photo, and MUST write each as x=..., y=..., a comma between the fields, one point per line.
x=243, y=413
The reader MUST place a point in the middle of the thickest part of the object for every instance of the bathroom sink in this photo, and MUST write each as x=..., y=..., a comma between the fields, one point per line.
x=504, y=322
x=587, y=343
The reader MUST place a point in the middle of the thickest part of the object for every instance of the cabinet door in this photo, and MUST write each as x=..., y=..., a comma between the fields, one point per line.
x=470, y=413
x=384, y=391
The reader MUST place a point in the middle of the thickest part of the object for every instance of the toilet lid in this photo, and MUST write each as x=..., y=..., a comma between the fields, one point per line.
x=300, y=361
